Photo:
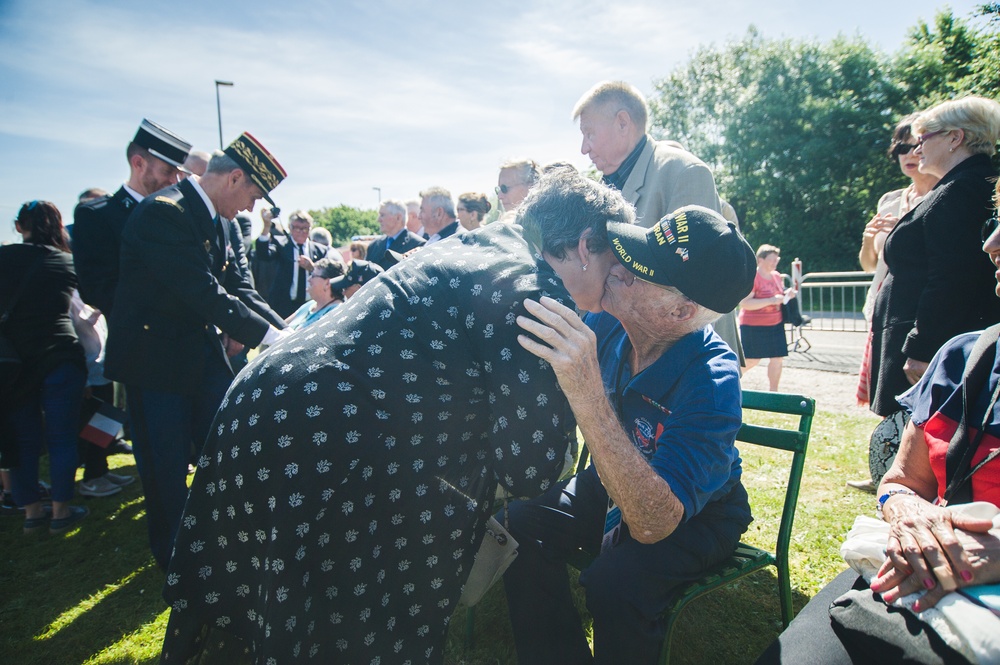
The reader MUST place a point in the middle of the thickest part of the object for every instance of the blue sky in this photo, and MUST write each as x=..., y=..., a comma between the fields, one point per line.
x=354, y=95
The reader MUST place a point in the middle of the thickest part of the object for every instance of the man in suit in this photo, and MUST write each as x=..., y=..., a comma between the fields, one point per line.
x=155, y=158
x=293, y=256
x=657, y=177
x=182, y=310
x=395, y=235
x=437, y=214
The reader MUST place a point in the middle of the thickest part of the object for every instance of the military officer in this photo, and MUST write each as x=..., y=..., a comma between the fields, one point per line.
x=181, y=310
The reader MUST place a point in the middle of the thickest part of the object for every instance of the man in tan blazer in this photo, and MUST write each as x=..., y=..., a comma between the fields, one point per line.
x=657, y=177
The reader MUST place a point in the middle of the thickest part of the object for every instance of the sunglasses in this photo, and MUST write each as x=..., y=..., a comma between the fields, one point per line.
x=903, y=149
x=502, y=189
x=990, y=227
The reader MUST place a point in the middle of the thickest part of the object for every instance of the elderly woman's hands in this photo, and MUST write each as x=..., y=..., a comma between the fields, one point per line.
x=934, y=549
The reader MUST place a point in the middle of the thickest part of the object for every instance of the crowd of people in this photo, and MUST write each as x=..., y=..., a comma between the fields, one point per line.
x=350, y=411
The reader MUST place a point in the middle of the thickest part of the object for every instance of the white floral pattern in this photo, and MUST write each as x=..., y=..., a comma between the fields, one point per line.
x=342, y=496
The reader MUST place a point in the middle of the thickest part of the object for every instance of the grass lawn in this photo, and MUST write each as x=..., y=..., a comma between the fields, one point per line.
x=93, y=596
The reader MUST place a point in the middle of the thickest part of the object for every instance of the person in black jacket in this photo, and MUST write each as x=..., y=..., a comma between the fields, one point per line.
x=179, y=285
x=155, y=158
x=293, y=256
x=43, y=404
x=939, y=283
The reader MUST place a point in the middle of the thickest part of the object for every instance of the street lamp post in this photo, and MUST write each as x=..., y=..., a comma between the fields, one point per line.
x=218, y=106
x=379, y=190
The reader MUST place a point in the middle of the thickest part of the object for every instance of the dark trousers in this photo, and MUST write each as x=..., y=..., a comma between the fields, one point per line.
x=49, y=419
x=627, y=587
x=810, y=637
x=167, y=429
x=95, y=458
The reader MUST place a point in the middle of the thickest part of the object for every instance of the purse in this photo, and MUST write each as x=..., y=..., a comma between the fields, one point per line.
x=790, y=313
x=495, y=555
x=884, y=444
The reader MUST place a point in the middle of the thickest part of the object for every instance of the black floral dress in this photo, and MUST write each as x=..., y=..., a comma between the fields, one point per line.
x=343, y=492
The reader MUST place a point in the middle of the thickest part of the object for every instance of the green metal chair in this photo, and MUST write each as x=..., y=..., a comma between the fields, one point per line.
x=747, y=558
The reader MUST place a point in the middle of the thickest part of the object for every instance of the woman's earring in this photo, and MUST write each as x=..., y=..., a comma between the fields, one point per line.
x=585, y=267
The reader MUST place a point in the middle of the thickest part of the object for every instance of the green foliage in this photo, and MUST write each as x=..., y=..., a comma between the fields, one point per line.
x=937, y=62
x=795, y=131
x=344, y=222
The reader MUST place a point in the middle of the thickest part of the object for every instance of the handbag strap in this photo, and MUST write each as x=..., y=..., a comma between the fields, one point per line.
x=960, y=450
x=20, y=289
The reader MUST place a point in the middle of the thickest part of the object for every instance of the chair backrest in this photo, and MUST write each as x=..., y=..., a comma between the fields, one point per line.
x=792, y=440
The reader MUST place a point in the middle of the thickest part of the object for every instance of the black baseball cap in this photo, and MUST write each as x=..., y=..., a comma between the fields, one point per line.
x=361, y=272
x=694, y=250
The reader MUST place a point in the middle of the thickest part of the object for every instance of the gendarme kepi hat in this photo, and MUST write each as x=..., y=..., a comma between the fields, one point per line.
x=257, y=162
x=692, y=249
x=162, y=143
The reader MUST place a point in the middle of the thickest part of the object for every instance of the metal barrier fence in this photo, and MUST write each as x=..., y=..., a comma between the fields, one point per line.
x=834, y=300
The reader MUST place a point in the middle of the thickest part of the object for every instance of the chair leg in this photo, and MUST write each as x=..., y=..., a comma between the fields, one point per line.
x=668, y=635
x=785, y=595
x=470, y=627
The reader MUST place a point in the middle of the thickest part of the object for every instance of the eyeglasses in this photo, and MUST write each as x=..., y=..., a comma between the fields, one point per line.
x=502, y=189
x=990, y=227
x=903, y=149
x=929, y=135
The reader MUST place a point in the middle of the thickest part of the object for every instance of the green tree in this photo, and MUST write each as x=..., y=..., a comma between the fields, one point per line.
x=795, y=133
x=939, y=61
x=344, y=222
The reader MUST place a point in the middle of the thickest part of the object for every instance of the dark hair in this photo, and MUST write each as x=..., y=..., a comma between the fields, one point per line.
x=91, y=193
x=904, y=128
x=43, y=222
x=476, y=202
x=564, y=205
x=331, y=268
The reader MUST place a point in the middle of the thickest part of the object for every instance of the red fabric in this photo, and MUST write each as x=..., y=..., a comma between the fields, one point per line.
x=864, y=373
x=764, y=287
x=985, y=482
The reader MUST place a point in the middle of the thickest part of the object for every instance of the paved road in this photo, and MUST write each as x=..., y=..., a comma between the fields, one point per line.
x=828, y=350
x=827, y=370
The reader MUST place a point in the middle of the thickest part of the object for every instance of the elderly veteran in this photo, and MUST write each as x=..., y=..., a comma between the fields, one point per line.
x=345, y=488
x=656, y=394
x=359, y=273
x=179, y=287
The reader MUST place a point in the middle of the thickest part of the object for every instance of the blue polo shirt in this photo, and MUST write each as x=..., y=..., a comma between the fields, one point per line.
x=682, y=412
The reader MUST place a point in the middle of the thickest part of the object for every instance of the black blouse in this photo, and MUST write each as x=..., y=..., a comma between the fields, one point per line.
x=39, y=326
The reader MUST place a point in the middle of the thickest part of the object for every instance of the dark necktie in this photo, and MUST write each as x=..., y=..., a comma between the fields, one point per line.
x=220, y=231
x=300, y=291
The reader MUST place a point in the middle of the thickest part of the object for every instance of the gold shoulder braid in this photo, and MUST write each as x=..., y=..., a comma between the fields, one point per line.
x=167, y=199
